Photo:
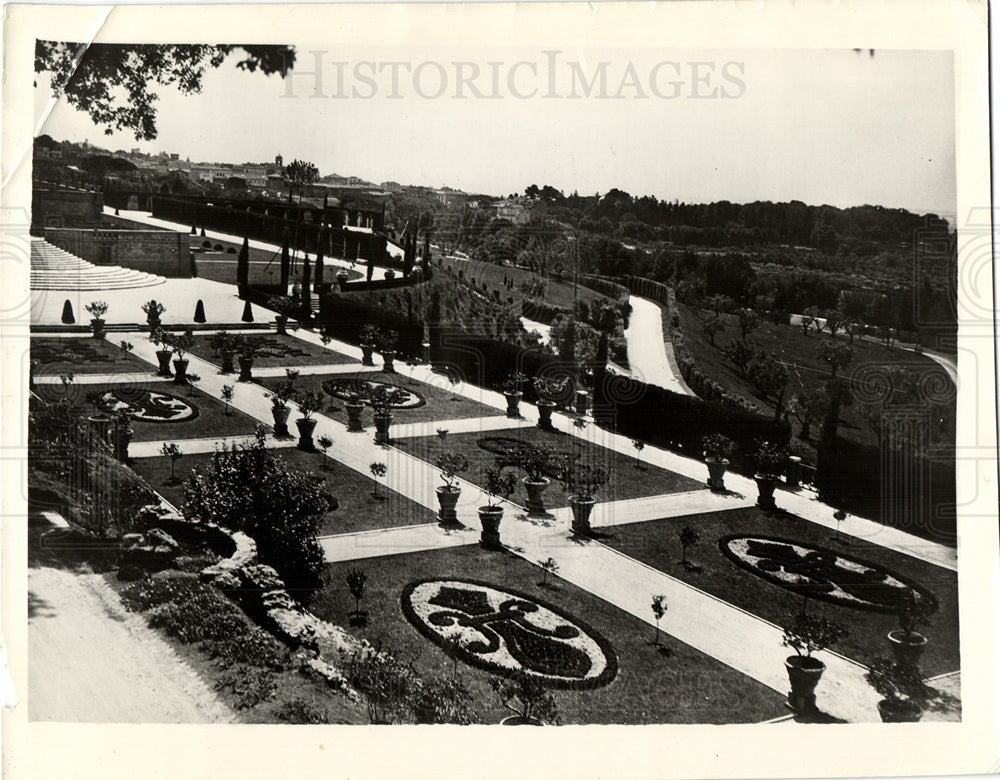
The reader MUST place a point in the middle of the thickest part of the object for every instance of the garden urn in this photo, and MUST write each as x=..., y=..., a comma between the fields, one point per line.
x=906, y=648
x=489, y=519
x=545, y=414
x=306, y=426
x=793, y=472
x=366, y=354
x=246, y=366
x=382, y=423
x=354, y=410
x=97, y=326
x=388, y=356
x=280, y=415
x=100, y=426
x=447, y=501
x=717, y=473
x=228, y=355
x=536, y=496
x=581, y=507
x=180, y=371
x=513, y=401
x=803, y=676
x=280, y=321
x=163, y=357
x=123, y=437
x=765, y=491
x=899, y=711
x=582, y=402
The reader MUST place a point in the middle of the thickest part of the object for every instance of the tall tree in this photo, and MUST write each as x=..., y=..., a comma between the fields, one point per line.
x=306, y=281
x=319, y=258
x=115, y=83
x=243, y=267
x=286, y=261
x=297, y=175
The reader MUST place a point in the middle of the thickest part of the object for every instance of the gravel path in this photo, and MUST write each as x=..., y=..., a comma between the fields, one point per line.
x=93, y=661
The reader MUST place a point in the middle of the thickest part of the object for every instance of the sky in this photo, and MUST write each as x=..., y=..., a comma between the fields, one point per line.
x=825, y=127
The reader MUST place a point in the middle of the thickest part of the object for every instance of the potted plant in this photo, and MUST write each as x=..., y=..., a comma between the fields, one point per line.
x=354, y=406
x=283, y=306
x=537, y=705
x=387, y=349
x=161, y=339
x=717, y=449
x=245, y=349
x=153, y=310
x=284, y=392
x=547, y=389
x=382, y=399
x=97, y=311
x=582, y=481
x=499, y=485
x=768, y=459
x=512, y=391
x=369, y=337
x=808, y=634
x=535, y=461
x=912, y=610
x=902, y=689
x=224, y=344
x=309, y=403
x=122, y=433
x=450, y=464
x=179, y=345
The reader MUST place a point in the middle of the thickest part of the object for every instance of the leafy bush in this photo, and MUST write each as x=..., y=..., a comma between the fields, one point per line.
x=249, y=685
x=301, y=712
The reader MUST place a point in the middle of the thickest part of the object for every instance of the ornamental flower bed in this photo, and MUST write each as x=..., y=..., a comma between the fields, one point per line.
x=274, y=350
x=83, y=356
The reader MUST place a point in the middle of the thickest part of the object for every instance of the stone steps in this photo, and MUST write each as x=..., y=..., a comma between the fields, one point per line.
x=53, y=268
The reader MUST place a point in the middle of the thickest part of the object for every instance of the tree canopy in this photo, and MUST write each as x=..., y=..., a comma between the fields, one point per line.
x=93, y=76
x=297, y=174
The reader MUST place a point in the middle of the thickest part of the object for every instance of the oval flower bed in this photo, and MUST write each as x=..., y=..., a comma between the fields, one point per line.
x=511, y=452
x=147, y=405
x=361, y=389
x=506, y=632
x=820, y=573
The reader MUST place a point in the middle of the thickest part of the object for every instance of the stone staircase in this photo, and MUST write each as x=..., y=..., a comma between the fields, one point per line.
x=53, y=268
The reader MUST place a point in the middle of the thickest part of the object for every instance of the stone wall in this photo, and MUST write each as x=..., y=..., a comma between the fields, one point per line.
x=160, y=252
x=59, y=207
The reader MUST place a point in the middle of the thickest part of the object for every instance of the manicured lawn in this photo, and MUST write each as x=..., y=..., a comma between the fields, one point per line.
x=357, y=509
x=656, y=543
x=627, y=477
x=211, y=419
x=86, y=356
x=440, y=404
x=265, y=266
x=685, y=686
x=275, y=350
x=799, y=354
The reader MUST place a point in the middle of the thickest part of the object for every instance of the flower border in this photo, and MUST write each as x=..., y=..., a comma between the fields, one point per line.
x=607, y=676
x=867, y=606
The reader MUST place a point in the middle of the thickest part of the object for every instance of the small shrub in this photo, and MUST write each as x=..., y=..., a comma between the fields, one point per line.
x=249, y=686
x=301, y=712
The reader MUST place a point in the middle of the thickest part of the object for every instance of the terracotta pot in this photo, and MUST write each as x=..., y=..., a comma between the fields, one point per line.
x=366, y=354
x=765, y=491
x=536, y=496
x=246, y=366
x=489, y=518
x=97, y=326
x=545, y=414
x=717, y=473
x=906, y=651
x=163, y=356
x=804, y=673
x=582, y=507
x=354, y=410
x=280, y=416
x=280, y=321
x=520, y=720
x=899, y=711
x=582, y=402
x=513, y=400
x=382, y=423
x=306, y=428
x=180, y=371
x=100, y=427
x=228, y=356
x=122, y=438
x=792, y=472
x=448, y=499
x=388, y=356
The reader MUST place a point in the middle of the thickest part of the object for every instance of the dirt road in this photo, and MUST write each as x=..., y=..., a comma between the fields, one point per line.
x=91, y=660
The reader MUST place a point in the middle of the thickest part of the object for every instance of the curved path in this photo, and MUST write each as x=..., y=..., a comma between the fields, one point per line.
x=647, y=352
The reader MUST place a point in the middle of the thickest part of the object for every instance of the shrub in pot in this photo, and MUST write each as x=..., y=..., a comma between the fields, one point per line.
x=122, y=433
x=162, y=340
x=536, y=462
x=768, y=459
x=903, y=691
x=387, y=349
x=246, y=349
x=354, y=406
x=808, y=634
x=548, y=389
x=369, y=338
x=913, y=610
x=582, y=481
x=717, y=449
x=513, y=392
x=450, y=464
x=224, y=345
x=536, y=705
x=179, y=345
x=284, y=307
x=97, y=310
x=383, y=399
x=309, y=403
x=153, y=310
x=283, y=393
x=499, y=485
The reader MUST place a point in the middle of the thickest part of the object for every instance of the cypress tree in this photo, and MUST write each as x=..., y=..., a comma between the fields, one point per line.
x=67, y=315
x=247, y=312
x=371, y=269
x=426, y=262
x=243, y=267
x=286, y=262
x=306, y=281
x=319, y=260
x=199, y=311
